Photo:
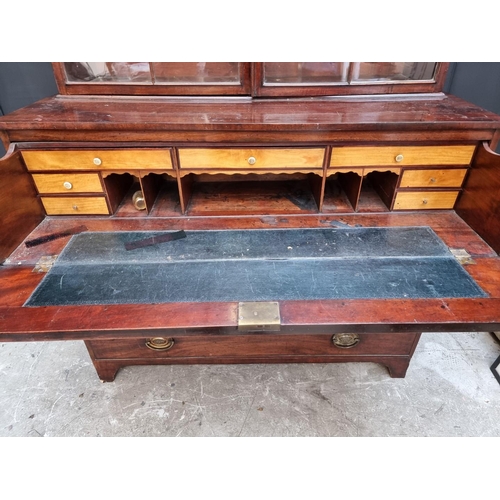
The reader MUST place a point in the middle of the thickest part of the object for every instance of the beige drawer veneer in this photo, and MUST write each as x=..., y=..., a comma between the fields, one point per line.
x=254, y=159
x=360, y=156
x=425, y=200
x=120, y=159
x=67, y=183
x=433, y=178
x=75, y=205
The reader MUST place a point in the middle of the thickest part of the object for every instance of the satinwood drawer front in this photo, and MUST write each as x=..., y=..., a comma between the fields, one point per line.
x=425, y=200
x=360, y=156
x=255, y=159
x=433, y=178
x=123, y=159
x=68, y=183
x=75, y=205
x=252, y=345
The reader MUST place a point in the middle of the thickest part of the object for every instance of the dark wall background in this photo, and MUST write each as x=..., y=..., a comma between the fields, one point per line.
x=24, y=83
x=478, y=83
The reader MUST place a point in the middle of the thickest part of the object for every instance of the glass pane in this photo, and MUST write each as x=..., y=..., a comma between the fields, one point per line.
x=392, y=71
x=108, y=72
x=196, y=73
x=305, y=73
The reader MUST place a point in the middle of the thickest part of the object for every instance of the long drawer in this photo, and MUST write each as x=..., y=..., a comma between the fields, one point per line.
x=123, y=159
x=254, y=345
x=67, y=183
x=360, y=156
x=254, y=159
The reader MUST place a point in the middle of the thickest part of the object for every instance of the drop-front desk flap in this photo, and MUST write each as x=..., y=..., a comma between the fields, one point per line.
x=239, y=230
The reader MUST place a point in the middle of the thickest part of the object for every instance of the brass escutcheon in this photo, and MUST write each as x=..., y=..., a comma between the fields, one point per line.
x=160, y=344
x=345, y=340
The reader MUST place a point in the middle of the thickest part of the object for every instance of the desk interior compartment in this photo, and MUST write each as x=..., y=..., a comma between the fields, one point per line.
x=251, y=194
x=377, y=191
x=142, y=193
x=342, y=191
x=358, y=191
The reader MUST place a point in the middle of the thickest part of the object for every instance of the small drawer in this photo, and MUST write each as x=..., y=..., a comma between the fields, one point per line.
x=75, y=205
x=425, y=200
x=122, y=159
x=254, y=159
x=253, y=345
x=433, y=178
x=401, y=155
x=67, y=183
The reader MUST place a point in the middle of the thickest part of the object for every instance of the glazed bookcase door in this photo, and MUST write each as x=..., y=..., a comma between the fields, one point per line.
x=153, y=78
x=344, y=78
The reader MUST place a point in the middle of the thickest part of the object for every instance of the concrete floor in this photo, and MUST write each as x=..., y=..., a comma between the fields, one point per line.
x=51, y=389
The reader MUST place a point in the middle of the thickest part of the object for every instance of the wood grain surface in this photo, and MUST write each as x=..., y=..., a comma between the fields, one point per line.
x=253, y=159
x=410, y=155
x=78, y=205
x=433, y=178
x=128, y=159
x=425, y=200
x=80, y=183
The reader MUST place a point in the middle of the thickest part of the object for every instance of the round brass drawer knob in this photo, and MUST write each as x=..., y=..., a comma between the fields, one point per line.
x=399, y=158
x=424, y=201
x=433, y=180
x=252, y=160
x=345, y=340
x=97, y=161
x=75, y=207
x=68, y=185
x=160, y=344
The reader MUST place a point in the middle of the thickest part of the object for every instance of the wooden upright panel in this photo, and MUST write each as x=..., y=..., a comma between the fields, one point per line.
x=479, y=204
x=20, y=210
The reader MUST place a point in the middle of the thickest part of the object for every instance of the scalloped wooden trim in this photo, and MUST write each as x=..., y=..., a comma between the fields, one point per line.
x=362, y=171
x=318, y=171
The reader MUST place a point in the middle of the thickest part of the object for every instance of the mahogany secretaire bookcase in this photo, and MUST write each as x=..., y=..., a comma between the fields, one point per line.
x=249, y=213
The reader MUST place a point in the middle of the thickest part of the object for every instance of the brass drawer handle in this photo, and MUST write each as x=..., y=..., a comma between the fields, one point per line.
x=68, y=185
x=138, y=201
x=433, y=179
x=75, y=207
x=425, y=201
x=160, y=344
x=345, y=340
x=252, y=160
x=399, y=158
x=97, y=161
